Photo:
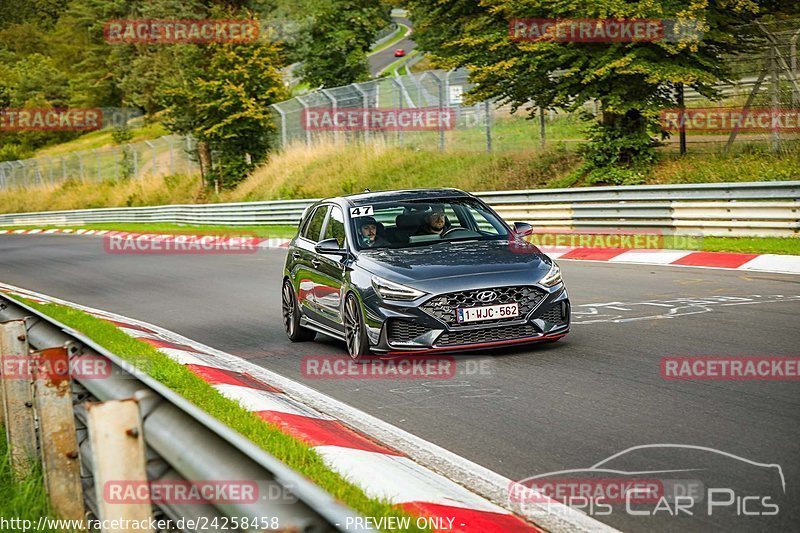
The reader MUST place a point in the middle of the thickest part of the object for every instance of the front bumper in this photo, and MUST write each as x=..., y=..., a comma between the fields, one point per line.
x=407, y=327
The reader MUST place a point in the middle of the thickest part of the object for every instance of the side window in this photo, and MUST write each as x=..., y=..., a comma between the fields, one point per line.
x=335, y=227
x=314, y=226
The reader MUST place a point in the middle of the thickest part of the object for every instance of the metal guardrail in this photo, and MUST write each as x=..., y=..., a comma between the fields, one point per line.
x=183, y=441
x=752, y=208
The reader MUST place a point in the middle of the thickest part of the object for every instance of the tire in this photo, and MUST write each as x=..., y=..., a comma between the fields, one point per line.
x=354, y=331
x=290, y=311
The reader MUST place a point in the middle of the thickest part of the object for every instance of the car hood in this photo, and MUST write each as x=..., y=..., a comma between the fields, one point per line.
x=457, y=260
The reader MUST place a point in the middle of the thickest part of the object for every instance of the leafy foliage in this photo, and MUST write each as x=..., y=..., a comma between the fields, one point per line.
x=339, y=38
x=632, y=81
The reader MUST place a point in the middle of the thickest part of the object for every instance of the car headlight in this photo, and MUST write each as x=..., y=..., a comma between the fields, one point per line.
x=389, y=290
x=552, y=278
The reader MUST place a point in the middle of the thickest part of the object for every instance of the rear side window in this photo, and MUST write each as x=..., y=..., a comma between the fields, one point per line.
x=314, y=226
x=335, y=227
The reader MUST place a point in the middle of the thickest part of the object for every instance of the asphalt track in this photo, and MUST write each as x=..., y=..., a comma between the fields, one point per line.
x=384, y=58
x=531, y=410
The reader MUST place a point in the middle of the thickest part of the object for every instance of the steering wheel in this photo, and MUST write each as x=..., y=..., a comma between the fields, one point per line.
x=451, y=230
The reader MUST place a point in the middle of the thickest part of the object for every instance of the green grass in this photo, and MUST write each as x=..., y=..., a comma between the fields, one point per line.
x=746, y=245
x=398, y=35
x=179, y=229
x=26, y=498
x=294, y=453
x=102, y=138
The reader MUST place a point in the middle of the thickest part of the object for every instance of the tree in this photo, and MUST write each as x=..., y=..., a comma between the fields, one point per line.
x=340, y=35
x=222, y=97
x=632, y=81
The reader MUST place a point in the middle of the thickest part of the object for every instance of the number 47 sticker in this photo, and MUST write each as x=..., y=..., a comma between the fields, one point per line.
x=363, y=211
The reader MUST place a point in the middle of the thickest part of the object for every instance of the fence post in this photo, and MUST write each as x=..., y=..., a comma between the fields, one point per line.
x=115, y=436
x=18, y=396
x=399, y=87
x=488, y=126
x=365, y=107
x=59, y=442
x=440, y=87
x=682, y=126
x=542, y=129
x=305, y=124
x=171, y=157
x=775, y=92
x=153, y=151
x=332, y=99
x=96, y=165
x=282, y=114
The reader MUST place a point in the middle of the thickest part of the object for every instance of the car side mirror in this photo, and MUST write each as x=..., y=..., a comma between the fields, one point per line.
x=522, y=229
x=330, y=247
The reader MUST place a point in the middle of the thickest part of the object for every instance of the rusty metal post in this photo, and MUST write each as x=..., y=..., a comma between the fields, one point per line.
x=117, y=443
x=52, y=392
x=15, y=362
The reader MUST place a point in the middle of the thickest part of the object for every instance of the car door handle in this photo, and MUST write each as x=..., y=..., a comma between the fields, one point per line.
x=316, y=263
x=295, y=255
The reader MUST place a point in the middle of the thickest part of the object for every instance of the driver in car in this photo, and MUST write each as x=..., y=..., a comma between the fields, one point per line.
x=434, y=221
x=368, y=227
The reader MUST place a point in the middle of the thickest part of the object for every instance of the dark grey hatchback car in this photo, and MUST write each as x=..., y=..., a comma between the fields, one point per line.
x=418, y=271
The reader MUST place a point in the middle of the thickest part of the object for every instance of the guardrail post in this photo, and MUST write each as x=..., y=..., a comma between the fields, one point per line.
x=115, y=435
x=52, y=388
x=17, y=396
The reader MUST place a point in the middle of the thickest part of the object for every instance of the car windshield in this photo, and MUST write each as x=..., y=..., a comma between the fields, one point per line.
x=408, y=224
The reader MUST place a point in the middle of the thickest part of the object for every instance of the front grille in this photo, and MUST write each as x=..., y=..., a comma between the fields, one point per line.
x=401, y=331
x=477, y=336
x=553, y=314
x=444, y=307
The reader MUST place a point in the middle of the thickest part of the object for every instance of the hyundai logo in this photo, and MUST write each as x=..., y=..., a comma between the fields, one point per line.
x=487, y=296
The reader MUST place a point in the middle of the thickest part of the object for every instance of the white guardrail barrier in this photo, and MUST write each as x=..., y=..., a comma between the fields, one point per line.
x=714, y=209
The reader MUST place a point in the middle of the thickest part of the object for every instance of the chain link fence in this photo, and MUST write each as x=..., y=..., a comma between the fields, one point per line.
x=168, y=155
x=768, y=79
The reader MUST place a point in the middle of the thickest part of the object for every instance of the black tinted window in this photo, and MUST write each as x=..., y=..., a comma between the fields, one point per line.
x=314, y=226
x=335, y=227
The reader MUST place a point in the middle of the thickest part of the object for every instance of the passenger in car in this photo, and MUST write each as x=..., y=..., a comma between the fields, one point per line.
x=368, y=229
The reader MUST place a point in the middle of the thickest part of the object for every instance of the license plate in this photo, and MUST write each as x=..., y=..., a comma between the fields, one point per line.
x=487, y=312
